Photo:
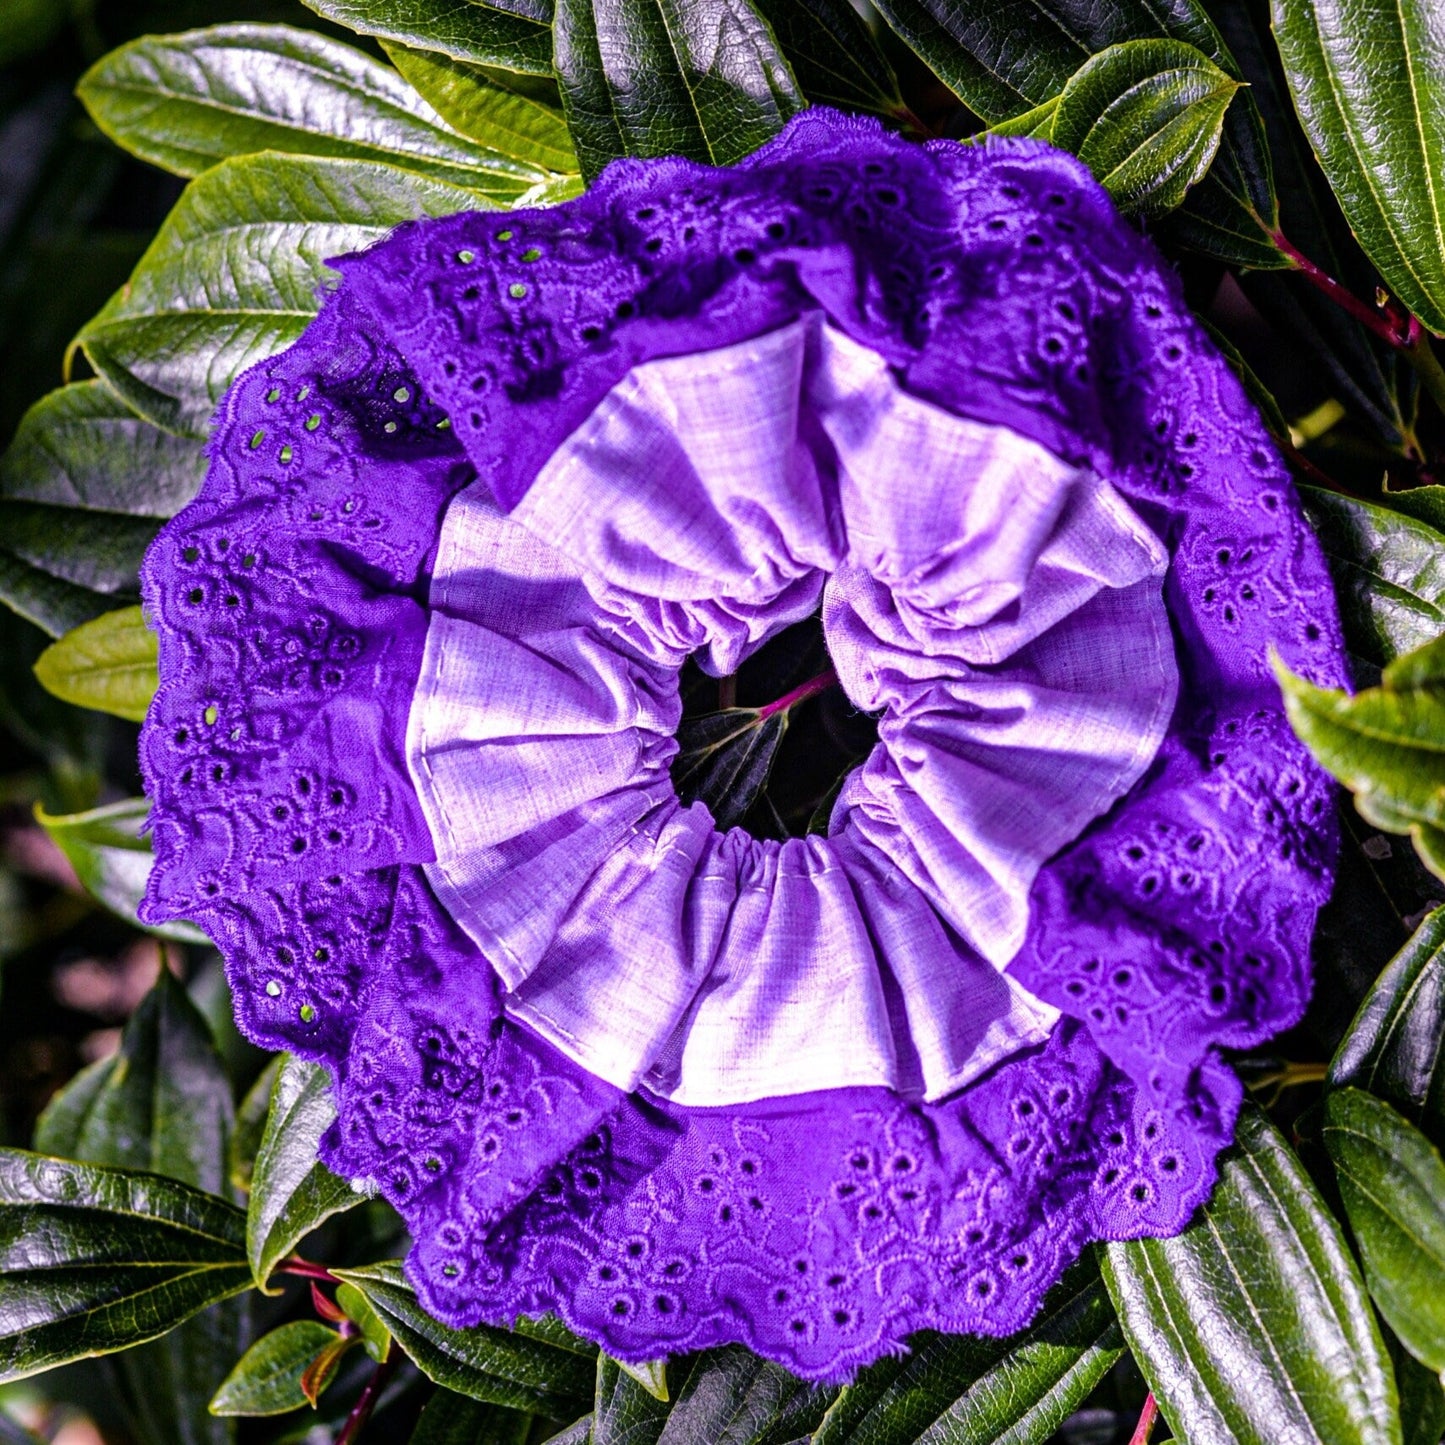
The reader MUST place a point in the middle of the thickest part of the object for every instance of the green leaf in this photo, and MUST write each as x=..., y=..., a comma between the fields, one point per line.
x=360, y=1311
x=972, y=1390
x=669, y=77
x=52, y=604
x=509, y=124
x=1037, y=123
x=1386, y=744
x=95, y=1260
x=724, y=759
x=83, y=447
x=1253, y=1326
x=1394, y=1046
x=113, y=860
x=108, y=664
x=162, y=1104
x=651, y=1375
x=1388, y=570
x=232, y=275
x=834, y=56
x=495, y=1366
x=250, y=1126
x=1146, y=117
x=1392, y=1180
x=292, y=1191
x=1369, y=88
x=267, y=1378
x=515, y=37
x=1422, y=1399
x=186, y=101
x=451, y=1419
x=1008, y=56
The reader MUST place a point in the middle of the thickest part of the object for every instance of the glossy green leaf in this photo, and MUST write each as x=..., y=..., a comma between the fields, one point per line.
x=362, y=1313
x=161, y=1103
x=292, y=1191
x=187, y=101
x=722, y=1397
x=267, y=1378
x=515, y=37
x=94, y=1260
x=113, y=860
x=232, y=275
x=1008, y=56
x=650, y=1374
x=834, y=56
x=83, y=447
x=1253, y=1326
x=1392, y=1180
x=1394, y=1046
x=1146, y=117
x=971, y=1390
x=724, y=759
x=452, y=1419
x=1422, y=1397
x=108, y=663
x=669, y=77
x=251, y=1118
x=498, y=1367
x=1388, y=570
x=509, y=124
x=1369, y=86
x=1037, y=123
x=1386, y=744
x=51, y=603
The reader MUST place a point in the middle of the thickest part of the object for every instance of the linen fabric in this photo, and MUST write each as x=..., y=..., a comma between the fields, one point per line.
x=294, y=603
x=1002, y=609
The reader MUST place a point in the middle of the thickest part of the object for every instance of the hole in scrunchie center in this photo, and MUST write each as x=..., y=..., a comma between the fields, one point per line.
x=774, y=770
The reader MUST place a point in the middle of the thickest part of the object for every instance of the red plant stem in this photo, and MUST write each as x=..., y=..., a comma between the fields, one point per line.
x=811, y=688
x=1392, y=325
x=304, y=1269
x=1142, y=1431
x=361, y=1411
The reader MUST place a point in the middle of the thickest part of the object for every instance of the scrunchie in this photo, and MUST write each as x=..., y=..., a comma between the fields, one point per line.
x=409, y=759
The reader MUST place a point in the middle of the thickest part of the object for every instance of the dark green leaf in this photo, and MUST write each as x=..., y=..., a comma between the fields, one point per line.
x=108, y=663
x=187, y=101
x=1424, y=504
x=1393, y=1048
x=1392, y=1180
x=722, y=1397
x=669, y=77
x=1253, y=1325
x=83, y=447
x=1388, y=570
x=250, y=1126
x=512, y=125
x=360, y=1311
x=1386, y=744
x=515, y=37
x=971, y=1390
x=1008, y=56
x=94, y=1260
x=451, y=1419
x=52, y=604
x=292, y=1191
x=724, y=759
x=267, y=1378
x=834, y=56
x=1422, y=1400
x=1369, y=87
x=163, y=1104
x=232, y=275
x=1146, y=117
x=651, y=1375
x=495, y=1366
x=113, y=860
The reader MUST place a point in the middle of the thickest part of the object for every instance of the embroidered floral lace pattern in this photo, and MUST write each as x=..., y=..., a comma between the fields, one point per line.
x=821, y=1229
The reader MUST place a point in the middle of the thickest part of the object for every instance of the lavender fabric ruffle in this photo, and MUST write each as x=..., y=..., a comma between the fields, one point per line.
x=292, y=600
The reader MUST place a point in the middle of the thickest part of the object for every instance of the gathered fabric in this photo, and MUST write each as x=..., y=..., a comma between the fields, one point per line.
x=420, y=637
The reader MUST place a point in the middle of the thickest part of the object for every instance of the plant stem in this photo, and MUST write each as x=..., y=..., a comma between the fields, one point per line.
x=361, y=1411
x=811, y=688
x=1142, y=1431
x=304, y=1269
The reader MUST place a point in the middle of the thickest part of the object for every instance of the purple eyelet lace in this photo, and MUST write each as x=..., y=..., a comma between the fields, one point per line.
x=292, y=599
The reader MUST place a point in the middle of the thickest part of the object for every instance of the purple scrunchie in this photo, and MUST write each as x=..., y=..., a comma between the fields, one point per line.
x=292, y=599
